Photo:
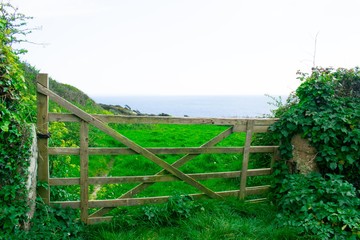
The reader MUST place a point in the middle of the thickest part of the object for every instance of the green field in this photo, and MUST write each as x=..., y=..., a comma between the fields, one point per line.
x=160, y=135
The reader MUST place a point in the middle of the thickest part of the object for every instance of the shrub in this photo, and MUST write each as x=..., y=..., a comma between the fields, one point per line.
x=326, y=207
x=325, y=110
x=328, y=115
x=14, y=136
x=54, y=223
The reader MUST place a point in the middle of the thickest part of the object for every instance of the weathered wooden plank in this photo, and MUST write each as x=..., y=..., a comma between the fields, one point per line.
x=145, y=179
x=42, y=128
x=128, y=151
x=169, y=120
x=260, y=129
x=258, y=200
x=152, y=200
x=125, y=119
x=260, y=125
x=95, y=220
x=156, y=178
x=121, y=138
x=64, y=151
x=178, y=163
x=174, y=150
x=263, y=149
x=135, y=201
x=149, y=200
x=63, y=117
x=64, y=181
x=256, y=129
x=258, y=172
x=64, y=204
x=84, y=164
x=246, y=155
x=257, y=190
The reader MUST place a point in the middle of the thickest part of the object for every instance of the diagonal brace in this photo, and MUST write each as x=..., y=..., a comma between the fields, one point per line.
x=142, y=186
x=137, y=148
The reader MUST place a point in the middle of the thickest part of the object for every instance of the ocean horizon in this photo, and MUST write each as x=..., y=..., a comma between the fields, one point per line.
x=195, y=106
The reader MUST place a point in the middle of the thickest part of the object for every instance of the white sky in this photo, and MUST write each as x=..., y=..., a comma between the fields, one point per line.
x=189, y=47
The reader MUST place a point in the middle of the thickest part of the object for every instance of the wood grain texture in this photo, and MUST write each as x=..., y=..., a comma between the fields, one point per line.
x=246, y=156
x=156, y=178
x=167, y=150
x=42, y=128
x=84, y=169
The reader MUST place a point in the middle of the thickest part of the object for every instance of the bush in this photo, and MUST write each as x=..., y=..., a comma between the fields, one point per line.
x=328, y=115
x=53, y=223
x=14, y=136
x=326, y=207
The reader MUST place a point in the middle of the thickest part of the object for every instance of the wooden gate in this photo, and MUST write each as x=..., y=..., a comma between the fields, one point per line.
x=249, y=126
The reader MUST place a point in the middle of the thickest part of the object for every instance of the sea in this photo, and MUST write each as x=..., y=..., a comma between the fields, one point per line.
x=196, y=106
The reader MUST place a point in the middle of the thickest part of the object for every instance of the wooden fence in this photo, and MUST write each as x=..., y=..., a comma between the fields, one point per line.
x=249, y=126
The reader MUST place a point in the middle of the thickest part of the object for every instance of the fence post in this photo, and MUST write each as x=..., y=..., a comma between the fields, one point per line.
x=43, y=135
x=84, y=164
x=245, y=163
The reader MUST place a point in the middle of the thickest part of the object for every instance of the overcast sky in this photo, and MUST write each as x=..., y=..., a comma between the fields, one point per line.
x=190, y=47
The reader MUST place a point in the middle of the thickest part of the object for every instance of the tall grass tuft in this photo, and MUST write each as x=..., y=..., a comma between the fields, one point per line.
x=207, y=219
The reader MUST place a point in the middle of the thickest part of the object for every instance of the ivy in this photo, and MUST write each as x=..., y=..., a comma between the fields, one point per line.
x=325, y=109
x=14, y=136
x=17, y=107
x=325, y=207
x=327, y=113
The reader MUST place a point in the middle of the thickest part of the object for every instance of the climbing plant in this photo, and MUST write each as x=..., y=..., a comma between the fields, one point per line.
x=328, y=115
x=14, y=136
x=326, y=111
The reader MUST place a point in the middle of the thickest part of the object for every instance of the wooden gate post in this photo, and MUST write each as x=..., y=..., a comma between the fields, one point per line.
x=42, y=131
x=245, y=163
x=84, y=164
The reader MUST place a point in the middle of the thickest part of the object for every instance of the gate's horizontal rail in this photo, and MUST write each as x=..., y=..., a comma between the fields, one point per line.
x=150, y=200
x=260, y=124
x=167, y=150
x=156, y=178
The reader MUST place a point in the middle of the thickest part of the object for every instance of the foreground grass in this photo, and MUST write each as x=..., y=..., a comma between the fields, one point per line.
x=211, y=219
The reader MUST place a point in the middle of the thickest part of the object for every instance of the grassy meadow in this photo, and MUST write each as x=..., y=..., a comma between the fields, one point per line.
x=146, y=135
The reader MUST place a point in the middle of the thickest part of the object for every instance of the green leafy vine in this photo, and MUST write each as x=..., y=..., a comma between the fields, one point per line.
x=328, y=115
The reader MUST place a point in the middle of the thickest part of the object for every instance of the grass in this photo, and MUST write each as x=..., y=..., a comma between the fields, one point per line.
x=171, y=136
x=155, y=135
x=230, y=219
x=210, y=219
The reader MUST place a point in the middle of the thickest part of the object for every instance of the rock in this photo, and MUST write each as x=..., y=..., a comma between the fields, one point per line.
x=303, y=156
